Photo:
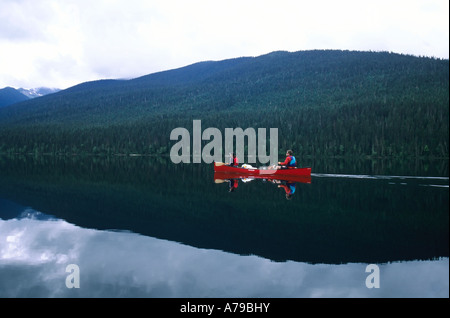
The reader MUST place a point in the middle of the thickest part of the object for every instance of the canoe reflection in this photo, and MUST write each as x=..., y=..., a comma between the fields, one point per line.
x=288, y=184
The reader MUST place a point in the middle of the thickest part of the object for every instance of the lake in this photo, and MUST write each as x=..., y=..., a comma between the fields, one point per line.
x=145, y=227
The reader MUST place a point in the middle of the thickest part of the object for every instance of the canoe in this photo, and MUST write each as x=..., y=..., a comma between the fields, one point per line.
x=292, y=172
x=221, y=176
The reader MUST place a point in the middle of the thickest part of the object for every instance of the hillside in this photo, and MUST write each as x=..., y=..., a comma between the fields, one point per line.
x=9, y=96
x=325, y=103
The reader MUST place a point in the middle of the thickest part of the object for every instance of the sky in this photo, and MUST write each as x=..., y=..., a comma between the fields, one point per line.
x=61, y=43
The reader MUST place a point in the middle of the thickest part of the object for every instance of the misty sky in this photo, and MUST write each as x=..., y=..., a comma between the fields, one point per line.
x=57, y=43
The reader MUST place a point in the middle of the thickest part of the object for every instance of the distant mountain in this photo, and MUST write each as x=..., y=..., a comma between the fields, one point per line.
x=37, y=92
x=9, y=95
x=323, y=102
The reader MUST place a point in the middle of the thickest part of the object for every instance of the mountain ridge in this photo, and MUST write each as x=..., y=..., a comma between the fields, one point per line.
x=340, y=102
x=38, y=91
x=10, y=95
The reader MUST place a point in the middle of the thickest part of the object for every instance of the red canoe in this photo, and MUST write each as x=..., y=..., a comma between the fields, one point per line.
x=228, y=176
x=285, y=174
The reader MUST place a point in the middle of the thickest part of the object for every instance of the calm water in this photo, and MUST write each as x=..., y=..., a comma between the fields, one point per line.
x=144, y=227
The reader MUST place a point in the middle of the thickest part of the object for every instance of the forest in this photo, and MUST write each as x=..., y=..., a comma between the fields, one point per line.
x=325, y=103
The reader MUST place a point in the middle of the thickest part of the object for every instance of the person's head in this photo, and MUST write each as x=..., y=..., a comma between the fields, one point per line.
x=289, y=153
x=288, y=196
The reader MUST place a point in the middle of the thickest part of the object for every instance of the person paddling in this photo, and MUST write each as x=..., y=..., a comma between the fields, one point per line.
x=290, y=161
x=233, y=160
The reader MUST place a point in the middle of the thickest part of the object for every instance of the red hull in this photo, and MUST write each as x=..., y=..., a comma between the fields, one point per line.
x=283, y=174
x=227, y=176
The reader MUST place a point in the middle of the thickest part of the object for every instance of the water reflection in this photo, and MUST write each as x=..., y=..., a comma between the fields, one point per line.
x=288, y=184
x=335, y=219
x=34, y=254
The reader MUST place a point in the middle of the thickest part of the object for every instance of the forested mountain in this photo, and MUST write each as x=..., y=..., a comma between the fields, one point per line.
x=324, y=103
x=9, y=95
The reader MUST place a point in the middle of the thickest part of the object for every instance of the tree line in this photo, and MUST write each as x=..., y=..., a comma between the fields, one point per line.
x=324, y=103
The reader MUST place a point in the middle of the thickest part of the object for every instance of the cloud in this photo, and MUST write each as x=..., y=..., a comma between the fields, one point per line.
x=88, y=40
x=40, y=43
x=23, y=20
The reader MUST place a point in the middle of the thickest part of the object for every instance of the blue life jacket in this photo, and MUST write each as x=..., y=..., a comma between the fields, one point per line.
x=292, y=187
x=293, y=162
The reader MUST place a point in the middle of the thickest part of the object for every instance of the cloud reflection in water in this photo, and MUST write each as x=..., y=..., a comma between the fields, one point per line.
x=34, y=254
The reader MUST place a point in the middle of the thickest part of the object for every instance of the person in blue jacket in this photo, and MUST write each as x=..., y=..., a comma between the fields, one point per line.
x=290, y=161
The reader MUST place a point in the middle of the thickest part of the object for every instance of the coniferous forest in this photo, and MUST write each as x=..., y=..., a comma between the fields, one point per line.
x=324, y=103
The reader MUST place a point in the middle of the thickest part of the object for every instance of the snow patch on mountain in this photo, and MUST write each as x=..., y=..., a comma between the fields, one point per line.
x=37, y=92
